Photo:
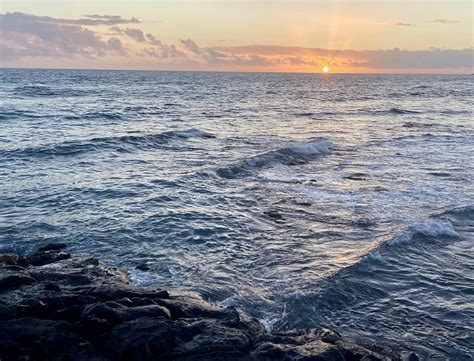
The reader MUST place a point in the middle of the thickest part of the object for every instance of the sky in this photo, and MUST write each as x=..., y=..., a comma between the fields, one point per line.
x=355, y=36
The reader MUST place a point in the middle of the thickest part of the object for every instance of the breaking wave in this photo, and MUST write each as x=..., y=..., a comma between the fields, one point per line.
x=298, y=153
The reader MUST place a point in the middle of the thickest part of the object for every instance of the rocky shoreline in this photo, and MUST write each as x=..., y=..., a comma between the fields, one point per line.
x=54, y=306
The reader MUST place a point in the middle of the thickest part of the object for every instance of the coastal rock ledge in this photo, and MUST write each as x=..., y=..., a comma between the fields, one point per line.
x=57, y=307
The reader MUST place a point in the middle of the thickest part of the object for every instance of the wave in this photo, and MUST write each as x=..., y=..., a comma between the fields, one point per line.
x=16, y=114
x=400, y=111
x=433, y=228
x=121, y=143
x=299, y=153
x=462, y=212
x=46, y=91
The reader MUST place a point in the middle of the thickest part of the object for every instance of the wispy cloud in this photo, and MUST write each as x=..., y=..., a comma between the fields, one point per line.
x=403, y=24
x=445, y=21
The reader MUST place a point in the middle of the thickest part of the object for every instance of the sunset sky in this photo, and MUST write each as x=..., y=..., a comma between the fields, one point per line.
x=398, y=36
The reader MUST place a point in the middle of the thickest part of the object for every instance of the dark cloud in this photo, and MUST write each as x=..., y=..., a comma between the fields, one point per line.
x=445, y=21
x=164, y=51
x=117, y=46
x=153, y=41
x=403, y=24
x=192, y=46
x=135, y=34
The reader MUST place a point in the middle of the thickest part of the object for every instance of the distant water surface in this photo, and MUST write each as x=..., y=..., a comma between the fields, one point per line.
x=344, y=201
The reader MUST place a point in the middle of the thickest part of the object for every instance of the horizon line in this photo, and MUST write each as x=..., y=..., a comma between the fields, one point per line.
x=229, y=71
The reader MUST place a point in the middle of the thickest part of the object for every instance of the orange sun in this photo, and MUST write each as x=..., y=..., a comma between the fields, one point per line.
x=326, y=69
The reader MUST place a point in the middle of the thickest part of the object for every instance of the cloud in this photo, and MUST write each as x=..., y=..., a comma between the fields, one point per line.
x=403, y=24
x=26, y=38
x=395, y=59
x=445, y=21
x=192, y=46
x=29, y=35
x=135, y=34
x=117, y=46
x=88, y=20
x=152, y=40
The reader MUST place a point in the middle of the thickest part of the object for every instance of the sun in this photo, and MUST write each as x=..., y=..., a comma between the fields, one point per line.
x=326, y=69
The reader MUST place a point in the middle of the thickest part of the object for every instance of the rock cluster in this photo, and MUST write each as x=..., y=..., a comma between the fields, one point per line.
x=57, y=307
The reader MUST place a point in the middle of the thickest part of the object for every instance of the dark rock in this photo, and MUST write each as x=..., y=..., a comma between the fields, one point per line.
x=42, y=258
x=14, y=260
x=92, y=327
x=146, y=339
x=52, y=287
x=116, y=313
x=330, y=336
x=125, y=301
x=104, y=311
x=15, y=280
x=192, y=307
x=143, y=267
x=70, y=314
x=77, y=309
x=356, y=176
x=144, y=302
x=33, y=308
x=151, y=338
x=34, y=339
x=6, y=313
x=56, y=302
x=114, y=291
x=52, y=247
x=274, y=214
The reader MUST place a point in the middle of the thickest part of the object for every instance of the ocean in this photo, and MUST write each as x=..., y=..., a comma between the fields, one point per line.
x=305, y=200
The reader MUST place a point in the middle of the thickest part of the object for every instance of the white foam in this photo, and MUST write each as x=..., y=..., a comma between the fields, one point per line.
x=320, y=146
x=271, y=319
x=429, y=228
x=192, y=133
x=436, y=228
x=295, y=295
x=141, y=278
x=229, y=301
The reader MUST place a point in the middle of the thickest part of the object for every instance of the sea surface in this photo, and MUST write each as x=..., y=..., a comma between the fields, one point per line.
x=305, y=200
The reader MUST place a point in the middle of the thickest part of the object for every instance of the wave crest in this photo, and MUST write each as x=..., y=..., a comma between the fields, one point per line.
x=299, y=153
x=121, y=143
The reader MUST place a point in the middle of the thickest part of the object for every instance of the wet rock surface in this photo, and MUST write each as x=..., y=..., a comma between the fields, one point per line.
x=57, y=307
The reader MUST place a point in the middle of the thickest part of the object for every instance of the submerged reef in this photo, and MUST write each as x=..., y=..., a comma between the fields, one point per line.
x=54, y=306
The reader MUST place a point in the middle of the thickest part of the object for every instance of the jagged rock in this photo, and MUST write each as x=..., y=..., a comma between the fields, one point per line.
x=52, y=247
x=31, y=338
x=13, y=259
x=15, y=280
x=77, y=309
x=193, y=306
x=7, y=313
x=52, y=287
x=42, y=258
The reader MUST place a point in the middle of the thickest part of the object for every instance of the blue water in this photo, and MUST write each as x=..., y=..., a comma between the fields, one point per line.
x=304, y=200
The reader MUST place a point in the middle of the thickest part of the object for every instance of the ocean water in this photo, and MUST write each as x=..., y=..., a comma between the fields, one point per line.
x=344, y=201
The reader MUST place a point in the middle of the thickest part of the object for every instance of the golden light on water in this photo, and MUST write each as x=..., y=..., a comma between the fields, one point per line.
x=326, y=69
